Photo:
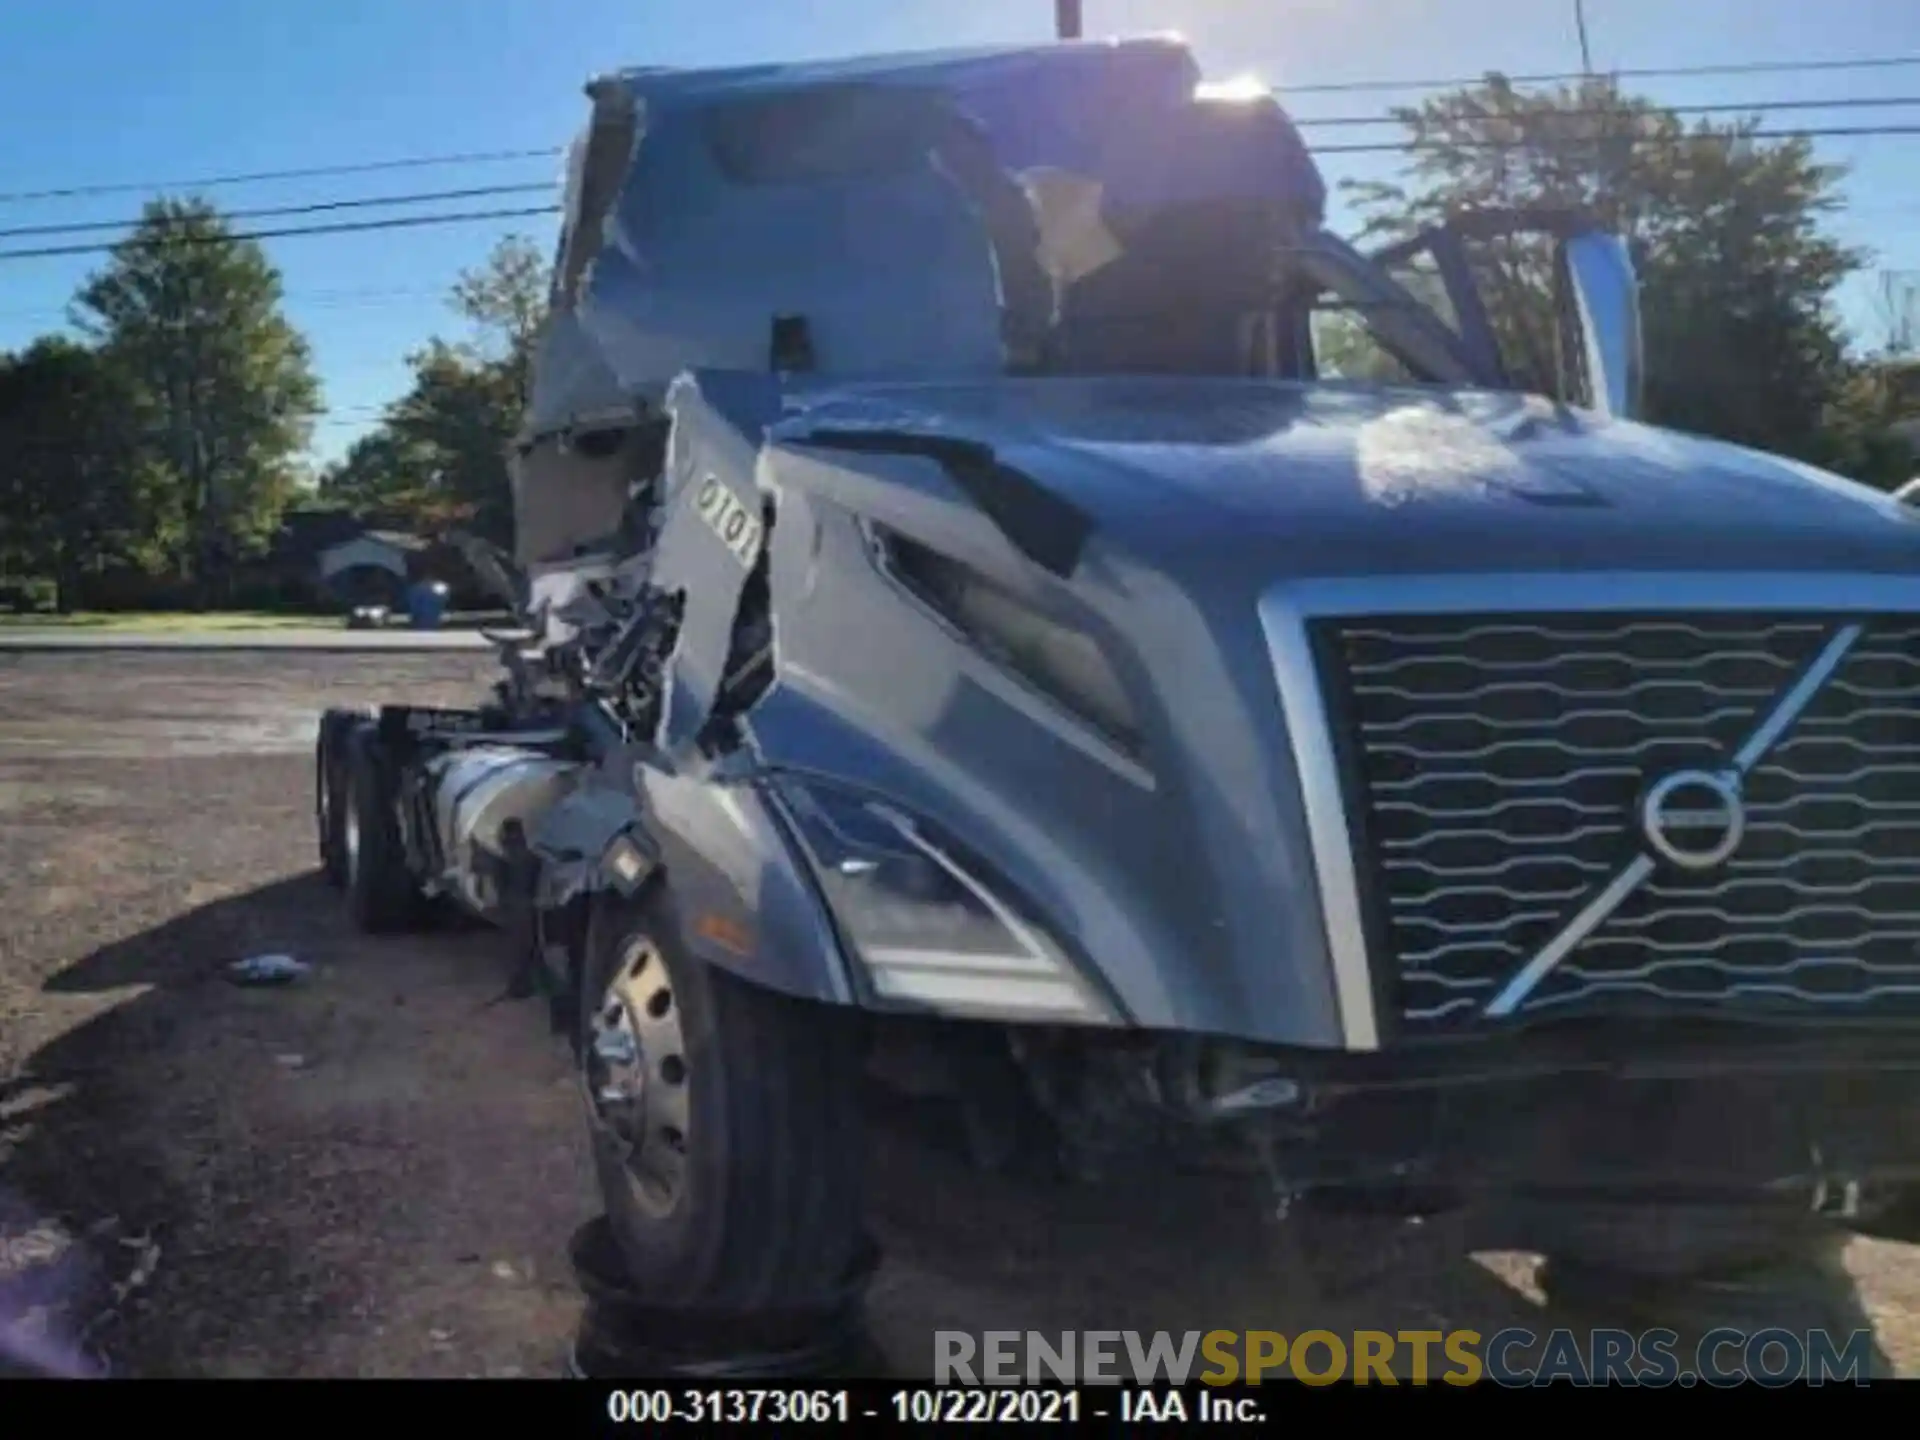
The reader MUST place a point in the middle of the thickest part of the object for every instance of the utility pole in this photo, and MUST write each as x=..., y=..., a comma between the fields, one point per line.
x=1066, y=19
x=1580, y=24
x=1899, y=307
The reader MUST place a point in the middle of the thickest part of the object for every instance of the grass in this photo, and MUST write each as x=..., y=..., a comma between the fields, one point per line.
x=135, y=622
x=186, y=622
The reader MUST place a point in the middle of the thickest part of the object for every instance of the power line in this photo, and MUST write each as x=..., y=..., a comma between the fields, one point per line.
x=401, y=222
x=326, y=299
x=1669, y=72
x=1811, y=133
x=316, y=207
x=1724, y=108
x=406, y=222
x=208, y=182
x=487, y=157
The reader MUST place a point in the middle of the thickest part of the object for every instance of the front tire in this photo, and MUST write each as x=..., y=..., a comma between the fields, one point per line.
x=725, y=1123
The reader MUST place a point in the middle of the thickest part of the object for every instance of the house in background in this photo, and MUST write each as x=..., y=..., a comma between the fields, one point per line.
x=332, y=561
x=373, y=567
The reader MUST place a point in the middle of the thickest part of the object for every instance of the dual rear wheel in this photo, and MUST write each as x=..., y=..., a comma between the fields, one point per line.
x=330, y=789
x=357, y=817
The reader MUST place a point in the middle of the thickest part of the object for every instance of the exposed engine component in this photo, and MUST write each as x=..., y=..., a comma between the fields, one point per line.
x=626, y=664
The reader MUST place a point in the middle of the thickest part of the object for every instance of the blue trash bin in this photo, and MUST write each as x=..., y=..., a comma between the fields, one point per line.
x=427, y=605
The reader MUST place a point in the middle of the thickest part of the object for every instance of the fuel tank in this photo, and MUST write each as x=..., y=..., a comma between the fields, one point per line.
x=476, y=792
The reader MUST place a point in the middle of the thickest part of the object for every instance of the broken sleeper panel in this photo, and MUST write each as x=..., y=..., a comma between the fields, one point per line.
x=566, y=499
x=703, y=206
x=890, y=271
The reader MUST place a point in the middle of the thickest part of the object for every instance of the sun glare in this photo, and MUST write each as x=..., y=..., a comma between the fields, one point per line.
x=1241, y=87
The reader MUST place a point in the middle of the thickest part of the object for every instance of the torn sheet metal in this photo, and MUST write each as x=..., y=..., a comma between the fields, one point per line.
x=1074, y=239
x=574, y=388
x=891, y=272
x=560, y=600
x=715, y=529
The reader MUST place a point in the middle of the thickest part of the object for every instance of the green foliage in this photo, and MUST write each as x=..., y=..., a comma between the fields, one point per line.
x=440, y=456
x=505, y=300
x=1874, y=396
x=77, y=492
x=220, y=386
x=1737, y=271
x=170, y=444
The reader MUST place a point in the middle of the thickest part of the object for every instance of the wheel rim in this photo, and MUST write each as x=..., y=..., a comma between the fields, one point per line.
x=636, y=1077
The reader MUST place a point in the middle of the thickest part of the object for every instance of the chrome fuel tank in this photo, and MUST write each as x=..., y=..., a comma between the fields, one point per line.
x=476, y=792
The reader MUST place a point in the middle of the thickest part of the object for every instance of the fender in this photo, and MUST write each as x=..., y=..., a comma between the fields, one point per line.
x=749, y=902
x=577, y=845
x=576, y=841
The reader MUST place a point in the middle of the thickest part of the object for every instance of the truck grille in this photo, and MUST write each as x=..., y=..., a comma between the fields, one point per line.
x=1495, y=766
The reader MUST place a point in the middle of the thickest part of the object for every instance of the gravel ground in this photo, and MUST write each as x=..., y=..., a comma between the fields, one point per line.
x=376, y=1171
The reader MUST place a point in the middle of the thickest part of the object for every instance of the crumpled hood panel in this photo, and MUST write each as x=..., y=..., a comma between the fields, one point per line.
x=1331, y=479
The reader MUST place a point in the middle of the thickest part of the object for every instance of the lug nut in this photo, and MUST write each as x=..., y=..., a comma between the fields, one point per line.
x=616, y=1047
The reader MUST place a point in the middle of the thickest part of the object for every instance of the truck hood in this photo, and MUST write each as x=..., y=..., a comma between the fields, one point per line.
x=1338, y=479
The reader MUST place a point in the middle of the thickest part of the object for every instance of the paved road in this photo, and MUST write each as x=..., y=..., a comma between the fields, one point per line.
x=335, y=638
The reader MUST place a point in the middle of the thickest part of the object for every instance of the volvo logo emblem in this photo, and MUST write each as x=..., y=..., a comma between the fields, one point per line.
x=1694, y=819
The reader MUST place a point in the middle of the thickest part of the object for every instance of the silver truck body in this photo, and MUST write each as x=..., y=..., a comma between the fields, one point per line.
x=1404, y=738
x=1210, y=870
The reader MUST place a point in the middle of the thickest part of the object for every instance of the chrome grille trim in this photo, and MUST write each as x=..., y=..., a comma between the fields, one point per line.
x=1696, y=603
x=1323, y=797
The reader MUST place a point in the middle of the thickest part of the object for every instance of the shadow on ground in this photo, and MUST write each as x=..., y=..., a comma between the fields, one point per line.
x=117, y=1139
x=291, y=1180
x=376, y=1171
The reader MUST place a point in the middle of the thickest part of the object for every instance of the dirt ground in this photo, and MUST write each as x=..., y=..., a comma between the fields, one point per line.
x=376, y=1171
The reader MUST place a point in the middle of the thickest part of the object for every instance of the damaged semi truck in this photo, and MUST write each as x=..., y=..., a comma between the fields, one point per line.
x=968, y=618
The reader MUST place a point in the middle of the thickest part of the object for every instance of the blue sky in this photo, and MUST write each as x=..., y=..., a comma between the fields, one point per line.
x=107, y=91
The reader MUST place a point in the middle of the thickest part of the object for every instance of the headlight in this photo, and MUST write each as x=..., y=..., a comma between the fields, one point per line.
x=929, y=933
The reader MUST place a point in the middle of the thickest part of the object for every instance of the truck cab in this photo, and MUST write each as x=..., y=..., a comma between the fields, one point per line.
x=974, y=620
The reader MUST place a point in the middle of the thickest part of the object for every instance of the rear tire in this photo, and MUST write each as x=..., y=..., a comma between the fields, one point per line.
x=330, y=791
x=725, y=1122
x=382, y=895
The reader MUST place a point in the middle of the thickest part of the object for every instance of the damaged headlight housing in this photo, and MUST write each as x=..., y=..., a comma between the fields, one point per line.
x=927, y=929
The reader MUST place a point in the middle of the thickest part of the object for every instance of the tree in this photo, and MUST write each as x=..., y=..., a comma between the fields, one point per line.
x=382, y=473
x=1876, y=395
x=506, y=301
x=1737, y=272
x=463, y=414
x=191, y=315
x=76, y=492
x=439, y=457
